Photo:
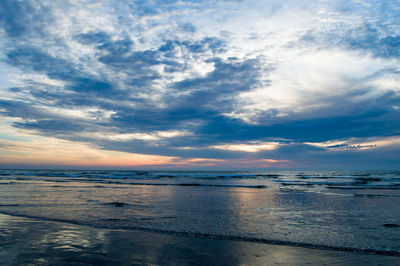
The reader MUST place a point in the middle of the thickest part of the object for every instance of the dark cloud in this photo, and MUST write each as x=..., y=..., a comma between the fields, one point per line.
x=33, y=59
x=309, y=130
x=19, y=18
x=188, y=27
x=216, y=90
x=51, y=126
x=103, y=41
x=368, y=38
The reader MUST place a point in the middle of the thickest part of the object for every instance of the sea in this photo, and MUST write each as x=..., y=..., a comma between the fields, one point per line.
x=356, y=211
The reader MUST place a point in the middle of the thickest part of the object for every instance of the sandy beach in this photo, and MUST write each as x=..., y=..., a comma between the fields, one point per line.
x=26, y=241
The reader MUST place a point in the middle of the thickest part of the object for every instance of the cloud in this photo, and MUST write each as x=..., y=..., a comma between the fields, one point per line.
x=205, y=82
x=19, y=18
x=336, y=83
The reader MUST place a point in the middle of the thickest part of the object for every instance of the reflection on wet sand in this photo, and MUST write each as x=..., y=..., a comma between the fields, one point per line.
x=36, y=242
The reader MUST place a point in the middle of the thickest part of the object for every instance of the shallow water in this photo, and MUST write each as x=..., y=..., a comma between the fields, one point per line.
x=356, y=211
x=26, y=241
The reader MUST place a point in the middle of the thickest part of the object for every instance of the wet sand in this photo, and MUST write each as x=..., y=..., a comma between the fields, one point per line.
x=26, y=241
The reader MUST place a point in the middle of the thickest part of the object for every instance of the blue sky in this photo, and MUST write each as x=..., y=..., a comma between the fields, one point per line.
x=200, y=84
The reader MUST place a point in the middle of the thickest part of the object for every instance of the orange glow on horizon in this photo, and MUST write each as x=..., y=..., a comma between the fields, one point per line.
x=52, y=151
x=24, y=147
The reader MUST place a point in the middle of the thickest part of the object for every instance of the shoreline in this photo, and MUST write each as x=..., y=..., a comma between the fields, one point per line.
x=218, y=237
x=26, y=240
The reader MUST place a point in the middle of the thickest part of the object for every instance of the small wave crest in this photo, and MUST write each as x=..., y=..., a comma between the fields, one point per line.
x=135, y=174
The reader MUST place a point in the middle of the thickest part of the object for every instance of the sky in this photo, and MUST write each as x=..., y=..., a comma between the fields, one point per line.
x=227, y=84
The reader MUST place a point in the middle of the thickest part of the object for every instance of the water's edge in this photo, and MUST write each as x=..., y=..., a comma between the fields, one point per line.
x=215, y=236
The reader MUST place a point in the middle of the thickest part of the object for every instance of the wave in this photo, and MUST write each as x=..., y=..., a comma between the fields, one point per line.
x=148, y=184
x=137, y=174
x=311, y=180
x=390, y=187
x=188, y=185
x=376, y=251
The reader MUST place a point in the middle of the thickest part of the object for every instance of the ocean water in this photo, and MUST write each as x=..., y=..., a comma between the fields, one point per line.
x=341, y=210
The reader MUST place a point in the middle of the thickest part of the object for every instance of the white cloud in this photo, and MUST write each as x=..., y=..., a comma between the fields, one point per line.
x=359, y=143
x=248, y=147
x=151, y=136
x=316, y=80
